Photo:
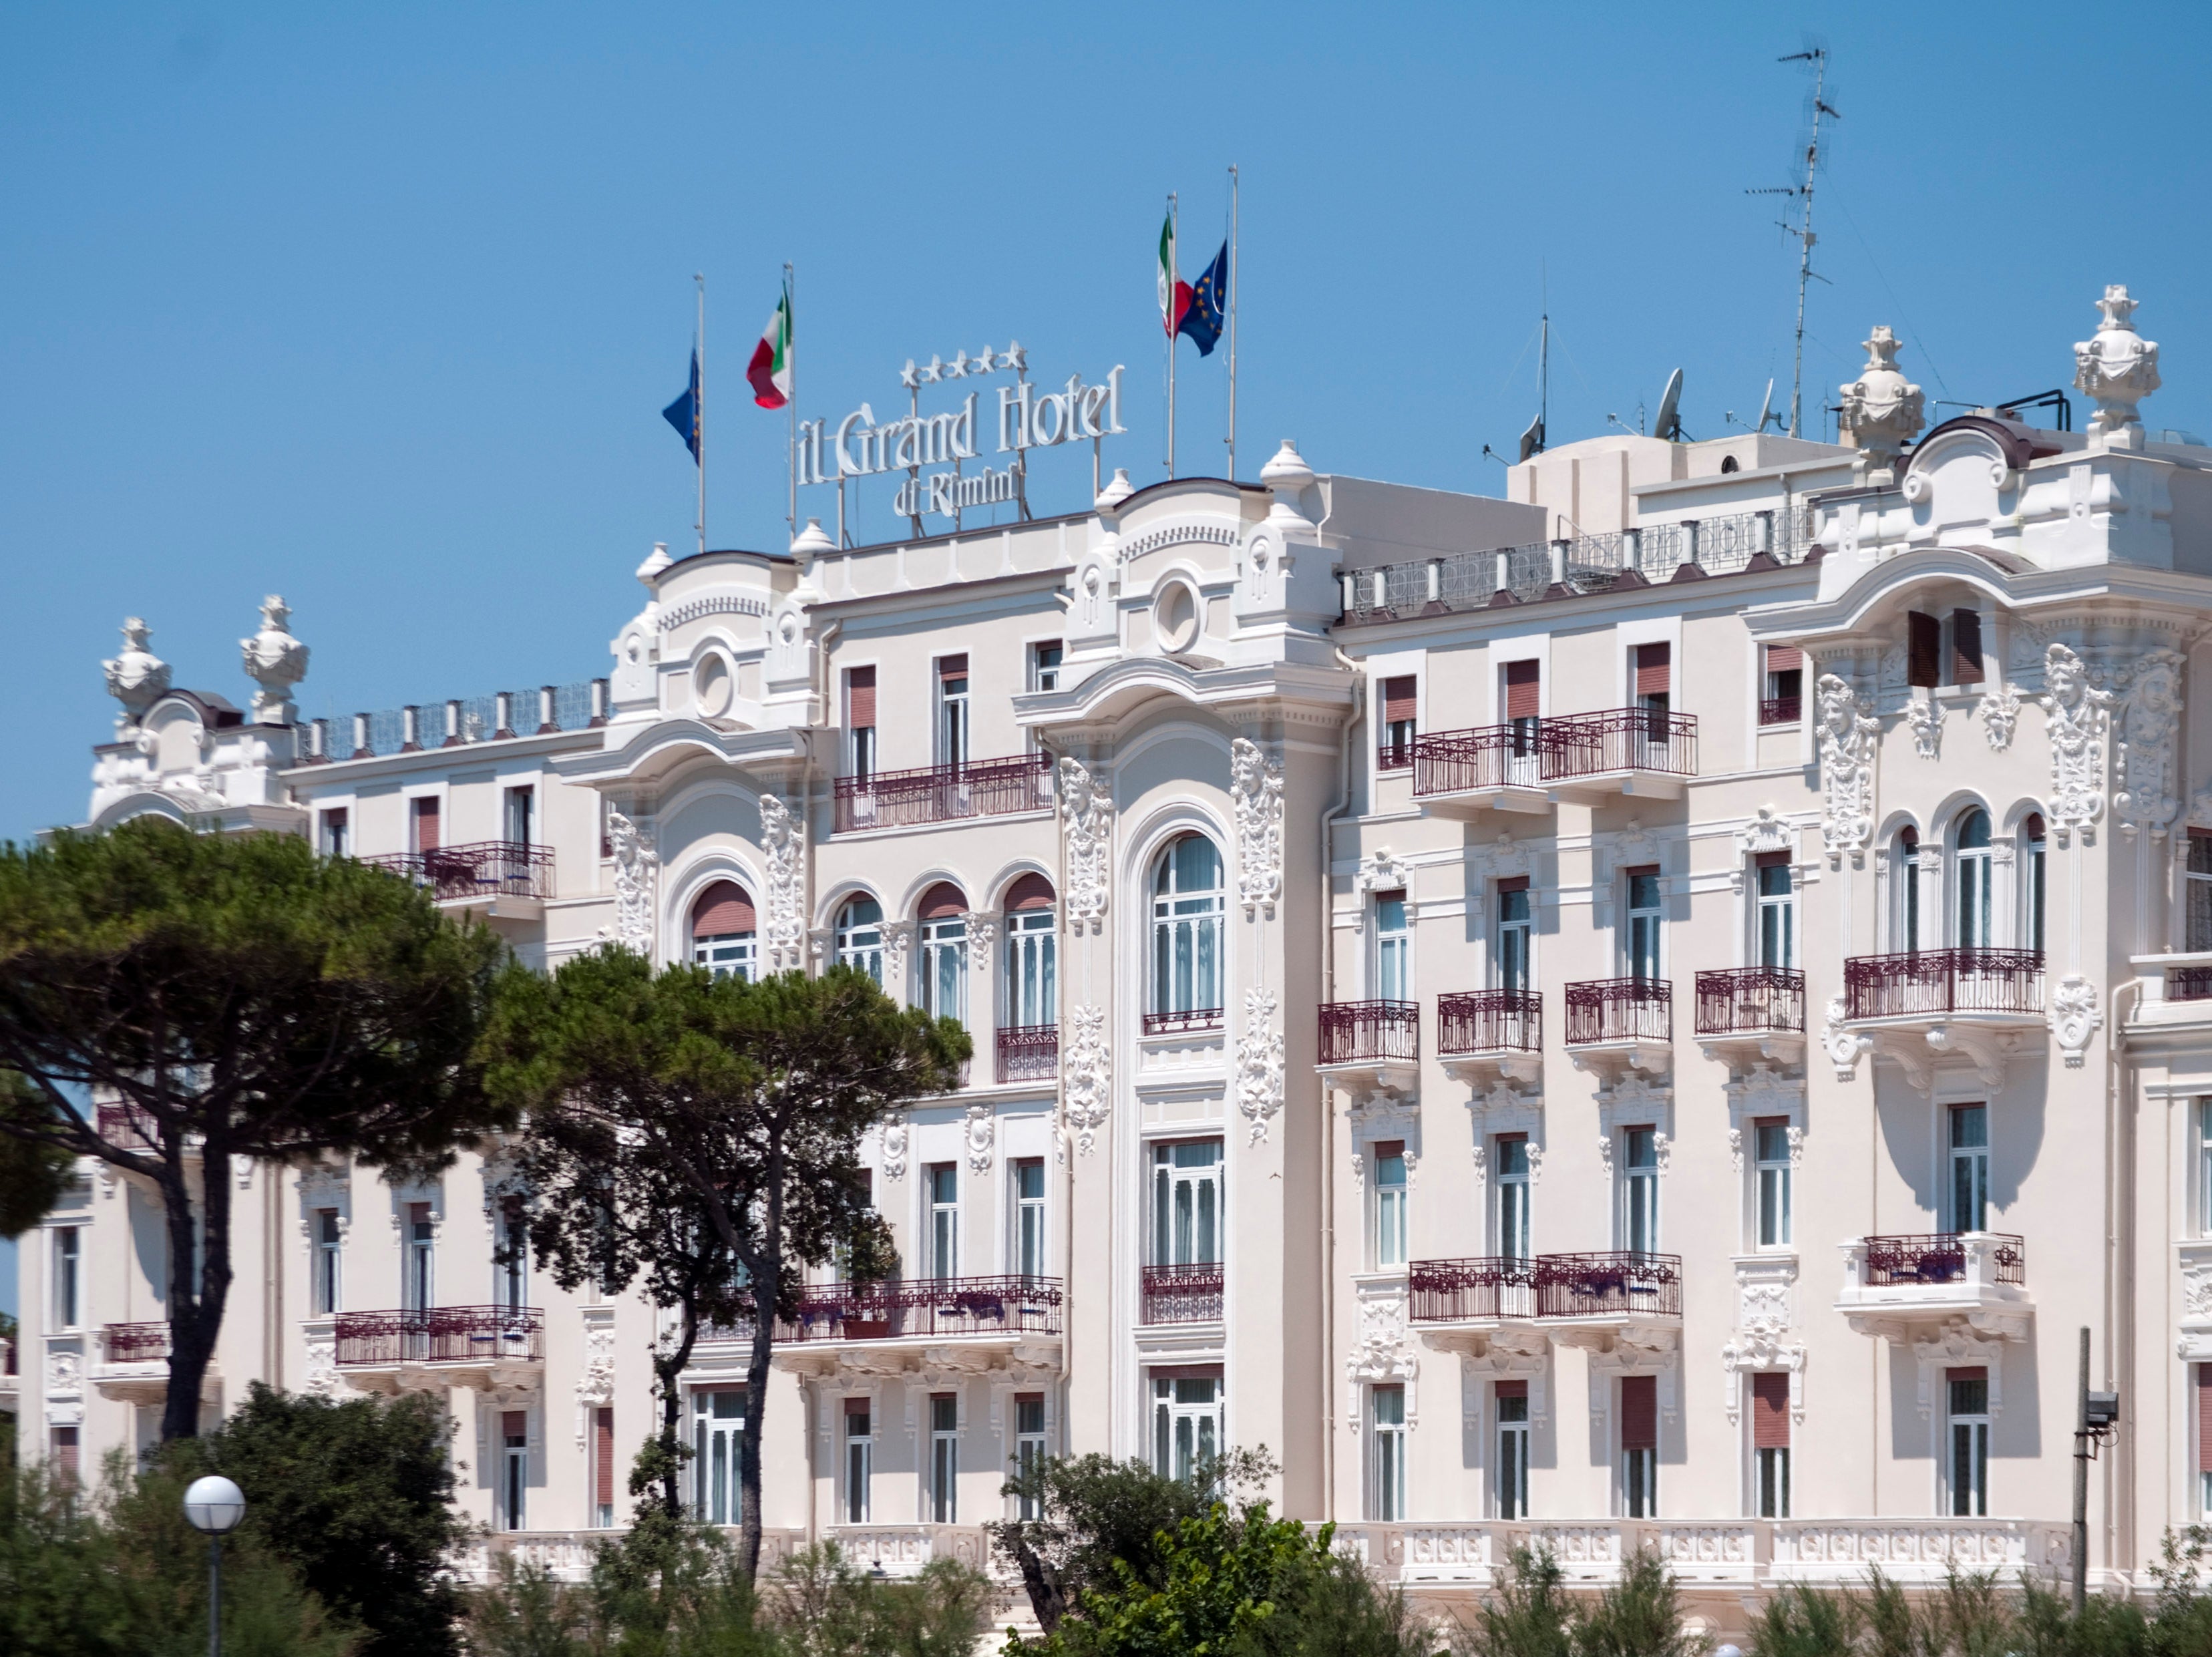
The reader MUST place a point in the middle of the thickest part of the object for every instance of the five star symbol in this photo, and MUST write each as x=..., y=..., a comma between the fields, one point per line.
x=963, y=365
x=909, y=376
x=934, y=372
x=985, y=361
x=1013, y=356
x=958, y=368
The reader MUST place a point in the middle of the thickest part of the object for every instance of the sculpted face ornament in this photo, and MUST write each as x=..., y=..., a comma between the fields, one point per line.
x=1846, y=744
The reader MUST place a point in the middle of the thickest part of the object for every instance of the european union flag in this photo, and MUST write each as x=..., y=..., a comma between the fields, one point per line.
x=1202, y=318
x=683, y=413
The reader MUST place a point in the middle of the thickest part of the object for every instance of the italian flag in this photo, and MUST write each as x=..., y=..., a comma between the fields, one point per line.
x=1175, y=296
x=770, y=369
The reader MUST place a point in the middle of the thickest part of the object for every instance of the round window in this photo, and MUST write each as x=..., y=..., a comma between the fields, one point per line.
x=1174, y=617
x=711, y=683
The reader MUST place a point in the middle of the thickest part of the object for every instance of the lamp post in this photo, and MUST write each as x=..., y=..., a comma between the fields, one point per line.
x=214, y=1505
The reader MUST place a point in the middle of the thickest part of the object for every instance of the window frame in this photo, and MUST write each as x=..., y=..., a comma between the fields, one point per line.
x=1386, y=1451
x=1507, y=1208
x=1773, y=910
x=65, y=1275
x=1202, y=915
x=1639, y=1189
x=854, y=948
x=1392, y=963
x=1643, y=931
x=943, y=968
x=1171, y=1410
x=1032, y=974
x=514, y=1491
x=1966, y=1164
x=715, y=1434
x=943, y=1218
x=1973, y=867
x=955, y=723
x=943, y=1494
x=1505, y=952
x=1510, y=1477
x=1031, y=1241
x=856, y=1461
x=1165, y=1240
x=1389, y=1232
x=1965, y=1444
x=1773, y=1175
x=1032, y=1444
x=327, y=1281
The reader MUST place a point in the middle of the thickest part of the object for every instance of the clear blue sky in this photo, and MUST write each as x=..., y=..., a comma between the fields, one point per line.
x=377, y=307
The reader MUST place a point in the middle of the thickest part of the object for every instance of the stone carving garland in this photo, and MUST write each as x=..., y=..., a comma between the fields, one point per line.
x=1255, y=791
x=783, y=841
x=1384, y=1352
x=1843, y=1045
x=1087, y=816
x=981, y=1136
x=894, y=1143
x=2147, y=794
x=2080, y=717
x=1087, y=1073
x=2075, y=1017
x=1259, y=1064
x=636, y=867
x=1846, y=739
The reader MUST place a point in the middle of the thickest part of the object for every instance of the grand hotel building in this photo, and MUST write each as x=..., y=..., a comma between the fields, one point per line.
x=1647, y=1011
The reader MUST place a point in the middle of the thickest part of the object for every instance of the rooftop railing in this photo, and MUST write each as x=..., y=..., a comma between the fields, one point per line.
x=1751, y=1001
x=945, y=794
x=1938, y=1258
x=458, y=721
x=1584, y=564
x=484, y=868
x=1939, y=982
x=924, y=1307
x=441, y=1335
x=1182, y=1294
x=1616, y=1283
x=1620, y=1010
x=1029, y=1053
x=1352, y=1031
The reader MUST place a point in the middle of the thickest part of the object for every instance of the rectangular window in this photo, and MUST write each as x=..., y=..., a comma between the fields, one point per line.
x=425, y=824
x=1514, y=933
x=1390, y=1203
x=521, y=811
x=1643, y=917
x=1770, y=1443
x=2199, y=932
x=1032, y=968
x=335, y=838
x=417, y=1282
x=1512, y=1448
x=1969, y=1461
x=1639, y=1447
x=1513, y=1196
x=1524, y=696
x=68, y=1276
x=1782, y=694
x=515, y=1467
x=1970, y=1168
x=859, y=1459
x=1770, y=1162
x=1029, y=1448
x=1640, y=1190
x=944, y=1458
x=944, y=1219
x=2204, y=1167
x=602, y=1466
x=2034, y=927
x=1777, y=910
x=1655, y=682
x=1924, y=644
x=64, y=1457
x=1393, y=949
x=1028, y=1217
x=1390, y=1451
x=1965, y=646
x=1186, y=1202
x=2204, y=1440
x=1186, y=1422
x=328, y=1234
x=952, y=732
x=945, y=969
x=511, y=1259
x=1399, y=699
x=1908, y=882
x=860, y=719
x=718, y=1425
x=1044, y=666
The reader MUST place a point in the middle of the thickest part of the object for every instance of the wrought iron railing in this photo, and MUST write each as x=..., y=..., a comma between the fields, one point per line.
x=1352, y=1031
x=2189, y=983
x=1620, y=1010
x=135, y=1343
x=1029, y=1053
x=1489, y=756
x=1394, y=756
x=1940, y=1258
x=1471, y=1290
x=1751, y=1001
x=1176, y=1024
x=945, y=794
x=1182, y=1294
x=129, y=1126
x=1585, y=564
x=483, y=868
x=1943, y=982
x=1617, y=1283
x=441, y=1335
x=924, y=1307
x=1490, y=1021
x=1781, y=710
x=1622, y=739
x=575, y=707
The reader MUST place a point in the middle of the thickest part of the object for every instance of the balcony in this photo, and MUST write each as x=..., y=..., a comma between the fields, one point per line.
x=1493, y=767
x=134, y=1364
x=1182, y=1294
x=2173, y=1006
x=1483, y=1035
x=1372, y=1046
x=499, y=879
x=1898, y=1286
x=975, y=1324
x=134, y=1129
x=1029, y=1053
x=1486, y=1290
x=1747, y=1013
x=1614, y=1023
x=1191, y=1021
x=944, y=794
x=1594, y=1300
x=1395, y=756
x=1919, y=1005
x=485, y=1347
x=1780, y=710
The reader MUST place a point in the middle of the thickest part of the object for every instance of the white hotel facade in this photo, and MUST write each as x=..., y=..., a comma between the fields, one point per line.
x=1650, y=1010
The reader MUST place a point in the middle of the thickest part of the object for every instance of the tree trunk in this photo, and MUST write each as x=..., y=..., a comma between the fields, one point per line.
x=668, y=1367
x=196, y=1308
x=748, y=1473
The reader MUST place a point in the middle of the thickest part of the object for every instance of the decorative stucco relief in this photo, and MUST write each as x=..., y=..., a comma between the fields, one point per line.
x=783, y=842
x=637, y=868
x=1255, y=793
x=1087, y=819
x=1846, y=746
x=2080, y=719
x=1259, y=1064
x=1087, y=1074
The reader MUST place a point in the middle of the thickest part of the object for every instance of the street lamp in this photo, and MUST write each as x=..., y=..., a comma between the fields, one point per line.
x=214, y=1505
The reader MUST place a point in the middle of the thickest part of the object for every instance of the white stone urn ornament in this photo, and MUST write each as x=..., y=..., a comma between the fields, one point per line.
x=2119, y=368
x=136, y=677
x=275, y=661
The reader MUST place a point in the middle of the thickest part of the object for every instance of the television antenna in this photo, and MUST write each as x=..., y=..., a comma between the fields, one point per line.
x=1818, y=56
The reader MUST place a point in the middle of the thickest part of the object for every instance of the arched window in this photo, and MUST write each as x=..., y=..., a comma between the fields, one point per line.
x=861, y=937
x=2032, y=839
x=1905, y=864
x=1032, y=965
x=1187, y=906
x=722, y=932
x=944, y=952
x=1973, y=865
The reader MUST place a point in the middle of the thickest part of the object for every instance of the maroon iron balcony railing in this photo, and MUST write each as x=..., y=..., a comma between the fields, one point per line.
x=1943, y=982
x=1622, y=739
x=933, y=1307
x=1490, y=756
x=129, y=1126
x=1182, y=1294
x=1471, y=1290
x=1175, y=1024
x=1352, y=1031
x=1609, y=1283
x=135, y=1343
x=483, y=868
x=1490, y=1021
x=1751, y=1001
x=441, y=1335
x=2189, y=983
x=945, y=794
x=1620, y=1010
x=1781, y=710
x=1938, y=1258
x=1029, y=1053
x=1394, y=757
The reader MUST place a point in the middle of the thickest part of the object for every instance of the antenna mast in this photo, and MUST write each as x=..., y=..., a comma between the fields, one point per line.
x=1802, y=230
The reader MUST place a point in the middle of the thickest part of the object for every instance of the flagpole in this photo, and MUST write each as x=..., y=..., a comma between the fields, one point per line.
x=699, y=413
x=791, y=361
x=1232, y=322
x=1174, y=240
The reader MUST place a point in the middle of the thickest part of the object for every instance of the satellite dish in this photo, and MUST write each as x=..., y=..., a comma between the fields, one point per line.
x=1667, y=428
x=1767, y=410
x=1531, y=440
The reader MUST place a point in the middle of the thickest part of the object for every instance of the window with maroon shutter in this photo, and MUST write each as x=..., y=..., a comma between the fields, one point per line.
x=603, y=1459
x=1653, y=669
x=1399, y=699
x=65, y=1457
x=1924, y=649
x=1965, y=646
x=1639, y=1412
x=1030, y=891
x=860, y=698
x=723, y=910
x=1512, y=1389
x=943, y=900
x=952, y=667
x=1770, y=1411
x=426, y=825
x=1781, y=698
x=1522, y=690
x=2204, y=1417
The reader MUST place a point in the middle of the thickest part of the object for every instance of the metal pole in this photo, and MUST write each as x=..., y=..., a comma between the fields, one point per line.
x=1174, y=240
x=214, y=1595
x=699, y=413
x=1820, y=56
x=1232, y=322
x=791, y=361
x=2082, y=1482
